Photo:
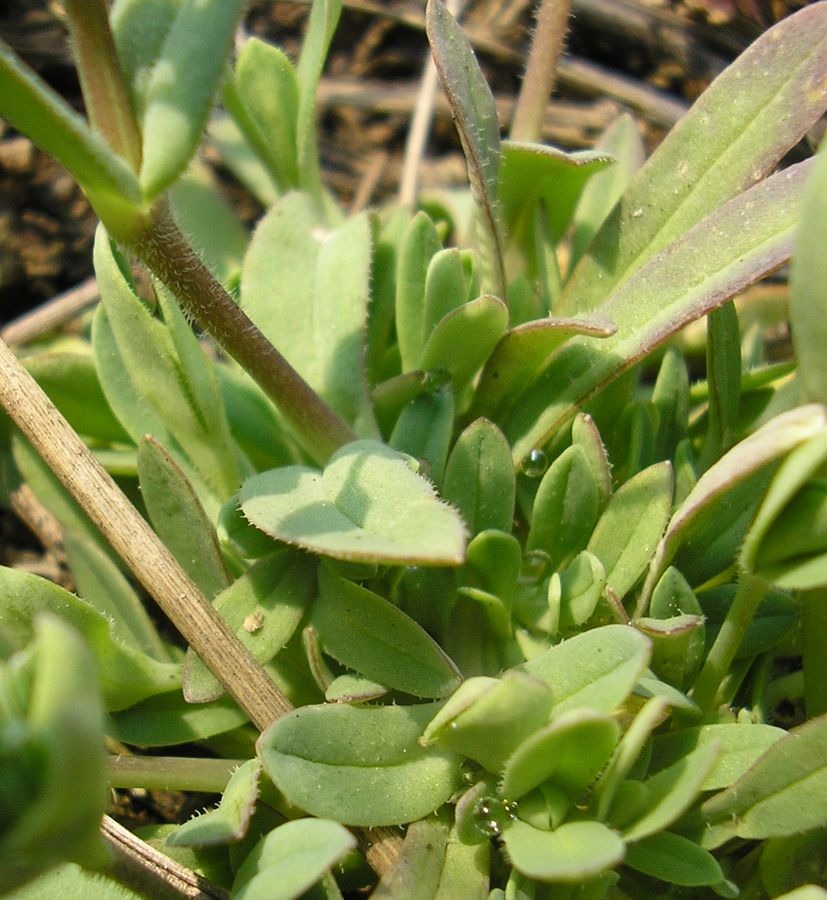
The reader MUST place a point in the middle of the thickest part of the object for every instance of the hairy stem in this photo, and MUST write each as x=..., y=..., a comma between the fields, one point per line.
x=169, y=256
x=538, y=81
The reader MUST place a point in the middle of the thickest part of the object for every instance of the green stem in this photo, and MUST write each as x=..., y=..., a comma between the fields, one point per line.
x=538, y=81
x=751, y=590
x=169, y=256
x=814, y=650
x=170, y=773
x=104, y=93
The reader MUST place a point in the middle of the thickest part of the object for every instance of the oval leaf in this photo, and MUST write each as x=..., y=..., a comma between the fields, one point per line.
x=368, y=504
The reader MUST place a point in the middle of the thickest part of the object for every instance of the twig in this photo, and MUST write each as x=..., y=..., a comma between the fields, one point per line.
x=51, y=314
x=151, y=872
x=137, y=545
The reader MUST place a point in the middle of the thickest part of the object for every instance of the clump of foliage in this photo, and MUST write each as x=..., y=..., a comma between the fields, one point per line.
x=468, y=553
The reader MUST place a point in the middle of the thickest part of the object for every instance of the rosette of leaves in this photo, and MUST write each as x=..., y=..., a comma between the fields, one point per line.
x=504, y=576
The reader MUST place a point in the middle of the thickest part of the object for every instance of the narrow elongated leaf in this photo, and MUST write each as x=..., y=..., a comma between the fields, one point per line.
x=324, y=16
x=99, y=581
x=179, y=519
x=29, y=105
x=777, y=796
x=126, y=674
x=291, y=859
x=808, y=315
x=181, y=88
x=576, y=851
x=267, y=86
x=479, y=478
x=359, y=765
x=371, y=635
x=645, y=501
x=596, y=669
x=229, y=821
x=263, y=607
x=693, y=275
x=307, y=289
x=732, y=137
x=566, y=508
x=674, y=859
x=416, y=871
x=424, y=430
x=475, y=116
x=368, y=504
x=170, y=373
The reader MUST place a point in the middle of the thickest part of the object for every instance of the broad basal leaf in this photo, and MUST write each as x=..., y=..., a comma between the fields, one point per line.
x=368, y=504
x=359, y=765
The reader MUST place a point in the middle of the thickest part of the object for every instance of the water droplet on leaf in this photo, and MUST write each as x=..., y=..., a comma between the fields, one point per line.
x=534, y=464
x=535, y=566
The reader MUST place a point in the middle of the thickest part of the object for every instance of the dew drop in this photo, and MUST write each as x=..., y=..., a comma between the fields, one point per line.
x=534, y=464
x=535, y=566
x=491, y=815
x=637, y=213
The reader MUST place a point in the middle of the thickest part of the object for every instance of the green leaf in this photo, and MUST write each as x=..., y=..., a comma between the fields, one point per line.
x=533, y=174
x=181, y=87
x=178, y=518
x=307, y=287
x=740, y=747
x=487, y=718
x=126, y=674
x=475, y=117
x=324, y=16
x=566, y=508
x=622, y=141
x=53, y=757
x=170, y=374
x=718, y=495
x=359, y=765
x=775, y=619
x=463, y=339
x=291, y=859
x=229, y=821
x=521, y=355
x=779, y=794
x=34, y=109
x=574, y=592
x=574, y=852
x=674, y=859
x=416, y=871
x=479, y=478
x=732, y=137
x=369, y=634
x=368, y=504
x=168, y=719
x=102, y=584
x=808, y=276
x=683, y=282
x=671, y=791
x=268, y=88
x=723, y=367
x=791, y=861
x=786, y=497
x=627, y=534
x=570, y=752
x=71, y=383
x=597, y=669
x=424, y=430
x=263, y=607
